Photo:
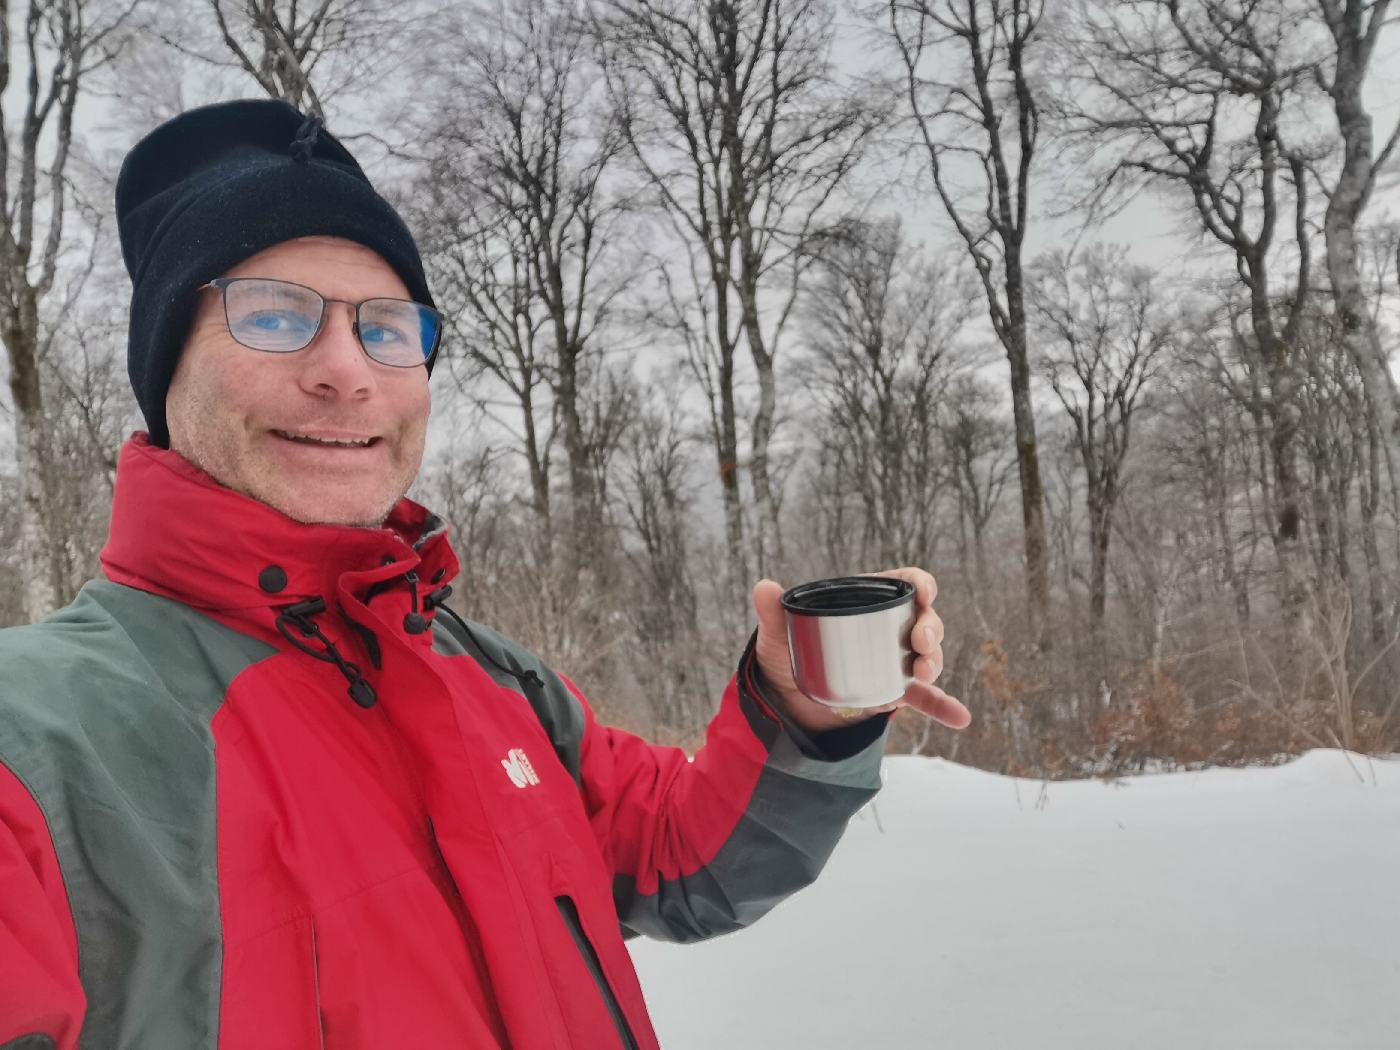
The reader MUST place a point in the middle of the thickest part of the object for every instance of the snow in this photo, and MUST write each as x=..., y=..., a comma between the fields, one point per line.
x=1226, y=908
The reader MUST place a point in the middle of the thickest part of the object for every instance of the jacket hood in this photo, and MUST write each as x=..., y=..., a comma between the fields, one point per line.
x=178, y=533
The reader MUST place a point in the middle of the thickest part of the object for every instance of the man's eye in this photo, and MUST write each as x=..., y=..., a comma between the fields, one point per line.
x=276, y=321
x=380, y=335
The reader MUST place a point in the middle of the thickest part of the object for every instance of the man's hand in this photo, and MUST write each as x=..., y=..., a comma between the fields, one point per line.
x=774, y=662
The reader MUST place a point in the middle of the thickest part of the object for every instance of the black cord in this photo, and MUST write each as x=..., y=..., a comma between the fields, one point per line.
x=299, y=615
x=437, y=600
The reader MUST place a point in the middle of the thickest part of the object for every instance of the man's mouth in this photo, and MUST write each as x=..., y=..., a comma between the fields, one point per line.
x=331, y=442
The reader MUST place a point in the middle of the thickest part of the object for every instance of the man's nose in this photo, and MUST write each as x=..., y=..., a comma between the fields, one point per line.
x=336, y=364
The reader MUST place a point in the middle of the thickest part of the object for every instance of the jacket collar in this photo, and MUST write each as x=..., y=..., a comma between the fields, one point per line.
x=178, y=533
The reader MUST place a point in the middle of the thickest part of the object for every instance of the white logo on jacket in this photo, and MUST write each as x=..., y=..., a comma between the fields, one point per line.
x=518, y=768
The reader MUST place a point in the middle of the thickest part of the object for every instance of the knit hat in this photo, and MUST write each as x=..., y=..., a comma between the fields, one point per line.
x=209, y=188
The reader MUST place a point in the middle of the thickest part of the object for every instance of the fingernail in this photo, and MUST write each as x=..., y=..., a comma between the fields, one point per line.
x=928, y=637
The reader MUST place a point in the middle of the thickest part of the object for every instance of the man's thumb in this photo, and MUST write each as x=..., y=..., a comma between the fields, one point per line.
x=768, y=605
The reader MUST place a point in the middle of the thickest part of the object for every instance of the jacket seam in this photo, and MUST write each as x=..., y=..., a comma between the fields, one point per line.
x=58, y=862
x=306, y=913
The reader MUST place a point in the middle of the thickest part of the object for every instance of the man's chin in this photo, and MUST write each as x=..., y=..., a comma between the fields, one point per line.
x=305, y=509
x=302, y=503
x=304, y=514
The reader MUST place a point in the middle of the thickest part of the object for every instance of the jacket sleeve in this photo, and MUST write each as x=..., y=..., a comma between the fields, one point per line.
x=41, y=999
x=706, y=846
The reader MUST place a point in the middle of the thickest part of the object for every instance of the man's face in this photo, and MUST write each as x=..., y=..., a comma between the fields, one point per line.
x=231, y=409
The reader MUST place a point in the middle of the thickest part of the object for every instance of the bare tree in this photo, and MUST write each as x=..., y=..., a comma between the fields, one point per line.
x=974, y=442
x=1162, y=555
x=663, y=601
x=481, y=285
x=882, y=325
x=307, y=54
x=733, y=117
x=1188, y=94
x=967, y=78
x=62, y=42
x=523, y=232
x=1355, y=27
x=1206, y=443
x=1101, y=334
x=1329, y=398
x=1344, y=454
x=473, y=484
x=289, y=44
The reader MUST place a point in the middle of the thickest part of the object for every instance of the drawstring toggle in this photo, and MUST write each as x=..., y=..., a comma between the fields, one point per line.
x=299, y=616
x=415, y=622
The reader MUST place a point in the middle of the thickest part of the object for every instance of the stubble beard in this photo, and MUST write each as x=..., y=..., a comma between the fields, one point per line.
x=270, y=496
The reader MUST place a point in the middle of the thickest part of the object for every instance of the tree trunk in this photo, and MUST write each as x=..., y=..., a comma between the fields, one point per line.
x=727, y=453
x=586, y=524
x=54, y=40
x=1220, y=514
x=1100, y=525
x=1370, y=496
x=1288, y=488
x=996, y=58
x=767, y=537
x=538, y=460
x=40, y=595
x=1028, y=465
x=1324, y=528
x=40, y=587
x=1344, y=207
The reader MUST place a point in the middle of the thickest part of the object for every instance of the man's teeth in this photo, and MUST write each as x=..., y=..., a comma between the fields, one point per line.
x=292, y=436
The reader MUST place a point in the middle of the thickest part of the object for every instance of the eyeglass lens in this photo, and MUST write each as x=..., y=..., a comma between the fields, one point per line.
x=280, y=317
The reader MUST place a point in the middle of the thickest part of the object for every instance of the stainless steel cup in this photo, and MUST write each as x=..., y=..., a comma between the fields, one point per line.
x=849, y=639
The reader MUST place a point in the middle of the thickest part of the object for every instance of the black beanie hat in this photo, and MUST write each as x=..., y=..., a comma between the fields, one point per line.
x=209, y=188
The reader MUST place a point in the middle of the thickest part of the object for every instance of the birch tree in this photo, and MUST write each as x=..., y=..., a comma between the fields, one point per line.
x=1355, y=27
x=48, y=48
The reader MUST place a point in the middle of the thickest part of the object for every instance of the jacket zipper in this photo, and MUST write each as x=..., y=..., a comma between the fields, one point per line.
x=568, y=911
x=316, y=978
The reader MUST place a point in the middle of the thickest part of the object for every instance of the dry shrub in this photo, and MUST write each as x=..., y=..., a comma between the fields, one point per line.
x=1158, y=727
x=1154, y=723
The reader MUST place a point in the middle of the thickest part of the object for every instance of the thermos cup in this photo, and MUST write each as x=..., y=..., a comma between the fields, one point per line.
x=849, y=639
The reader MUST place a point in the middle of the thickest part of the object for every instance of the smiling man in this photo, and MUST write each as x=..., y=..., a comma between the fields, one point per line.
x=261, y=787
x=267, y=425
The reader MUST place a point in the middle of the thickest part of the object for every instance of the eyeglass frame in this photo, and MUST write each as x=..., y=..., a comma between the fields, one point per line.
x=222, y=283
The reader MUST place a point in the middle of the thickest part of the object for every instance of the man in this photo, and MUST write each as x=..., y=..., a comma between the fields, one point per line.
x=261, y=788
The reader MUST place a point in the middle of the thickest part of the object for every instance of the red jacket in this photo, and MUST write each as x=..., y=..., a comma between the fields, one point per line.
x=258, y=791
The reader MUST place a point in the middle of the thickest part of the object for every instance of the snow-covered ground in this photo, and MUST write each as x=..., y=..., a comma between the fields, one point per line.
x=1239, y=909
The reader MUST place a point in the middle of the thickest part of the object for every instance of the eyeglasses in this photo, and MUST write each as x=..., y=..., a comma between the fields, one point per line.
x=281, y=317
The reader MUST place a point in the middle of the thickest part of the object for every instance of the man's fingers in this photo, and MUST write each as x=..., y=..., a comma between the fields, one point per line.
x=938, y=705
x=927, y=634
x=925, y=586
x=928, y=666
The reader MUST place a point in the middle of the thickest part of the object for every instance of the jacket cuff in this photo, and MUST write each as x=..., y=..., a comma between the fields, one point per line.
x=831, y=745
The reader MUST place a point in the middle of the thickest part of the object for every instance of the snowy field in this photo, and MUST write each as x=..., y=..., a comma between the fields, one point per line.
x=1252, y=908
